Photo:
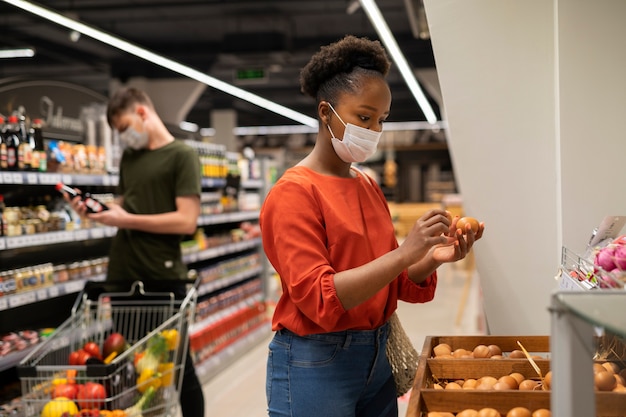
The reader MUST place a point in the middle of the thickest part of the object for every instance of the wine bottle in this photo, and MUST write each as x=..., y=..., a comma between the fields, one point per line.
x=93, y=205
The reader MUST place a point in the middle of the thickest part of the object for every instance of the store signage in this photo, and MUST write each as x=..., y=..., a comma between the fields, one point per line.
x=60, y=105
x=251, y=76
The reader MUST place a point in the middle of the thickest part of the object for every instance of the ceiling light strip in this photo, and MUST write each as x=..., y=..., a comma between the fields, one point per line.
x=17, y=53
x=299, y=129
x=374, y=15
x=162, y=61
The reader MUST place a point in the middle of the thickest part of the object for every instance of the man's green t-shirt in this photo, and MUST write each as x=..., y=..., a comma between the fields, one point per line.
x=149, y=182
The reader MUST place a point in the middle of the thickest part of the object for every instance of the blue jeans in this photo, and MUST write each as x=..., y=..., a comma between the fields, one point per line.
x=339, y=374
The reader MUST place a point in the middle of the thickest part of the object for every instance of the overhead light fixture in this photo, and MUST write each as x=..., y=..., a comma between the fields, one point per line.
x=188, y=126
x=17, y=53
x=162, y=61
x=299, y=129
x=374, y=15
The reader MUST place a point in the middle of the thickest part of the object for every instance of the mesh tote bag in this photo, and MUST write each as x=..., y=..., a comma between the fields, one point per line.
x=402, y=356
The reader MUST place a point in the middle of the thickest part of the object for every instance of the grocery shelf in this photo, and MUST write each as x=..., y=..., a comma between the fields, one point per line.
x=237, y=216
x=52, y=178
x=213, y=182
x=252, y=183
x=209, y=287
x=52, y=238
x=14, y=358
x=227, y=312
x=16, y=300
x=213, y=365
x=221, y=250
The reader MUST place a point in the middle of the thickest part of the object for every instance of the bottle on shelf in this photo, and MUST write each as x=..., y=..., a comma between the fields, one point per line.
x=13, y=142
x=93, y=205
x=24, y=149
x=39, y=158
x=3, y=145
x=2, y=222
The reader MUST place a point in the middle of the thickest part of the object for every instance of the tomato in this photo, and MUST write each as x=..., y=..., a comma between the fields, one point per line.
x=64, y=390
x=91, y=395
x=73, y=359
x=93, y=349
x=82, y=356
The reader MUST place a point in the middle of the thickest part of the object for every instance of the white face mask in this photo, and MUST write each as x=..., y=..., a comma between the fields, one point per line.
x=133, y=139
x=358, y=143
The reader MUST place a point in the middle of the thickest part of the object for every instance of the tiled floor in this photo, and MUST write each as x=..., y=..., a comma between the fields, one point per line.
x=239, y=390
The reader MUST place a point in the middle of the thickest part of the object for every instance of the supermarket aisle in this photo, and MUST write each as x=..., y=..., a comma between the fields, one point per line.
x=239, y=390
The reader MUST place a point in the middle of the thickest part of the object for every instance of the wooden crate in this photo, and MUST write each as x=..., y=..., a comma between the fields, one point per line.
x=424, y=398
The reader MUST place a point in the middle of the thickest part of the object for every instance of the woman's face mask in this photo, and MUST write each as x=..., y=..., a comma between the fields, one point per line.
x=358, y=143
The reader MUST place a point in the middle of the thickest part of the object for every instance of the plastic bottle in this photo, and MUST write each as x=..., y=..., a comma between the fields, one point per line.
x=93, y=205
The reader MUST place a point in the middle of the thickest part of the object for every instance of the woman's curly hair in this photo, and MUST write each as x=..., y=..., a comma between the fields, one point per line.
x=340, y=66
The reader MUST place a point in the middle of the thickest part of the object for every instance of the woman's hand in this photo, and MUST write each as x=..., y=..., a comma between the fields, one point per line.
x=459, y=245
x=432, y=229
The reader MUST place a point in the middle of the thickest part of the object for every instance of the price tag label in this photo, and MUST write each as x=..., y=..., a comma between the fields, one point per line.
x=3, y=303
x=49, y=179
x=67, y=179
x=15, y=242
x=17, y=178
x=42, y=294
x=7, y=178
x=97, y=233
x=31, y=178
x=3, y=244
x=75, y=286
x=21, y=299
x=81, y=235
x=53, y=291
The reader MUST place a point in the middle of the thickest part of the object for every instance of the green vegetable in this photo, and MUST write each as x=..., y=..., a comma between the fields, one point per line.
x=155, y=353
x=141, y=404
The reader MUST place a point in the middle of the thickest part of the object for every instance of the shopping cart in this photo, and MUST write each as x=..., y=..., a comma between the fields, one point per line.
x=146, y=315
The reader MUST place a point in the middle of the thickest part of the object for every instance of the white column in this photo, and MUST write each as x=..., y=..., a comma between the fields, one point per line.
x=534, y=94
x=224, y=121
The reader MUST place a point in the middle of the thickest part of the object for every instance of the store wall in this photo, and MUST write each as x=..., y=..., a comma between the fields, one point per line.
x=592, y=84
x=523, y=138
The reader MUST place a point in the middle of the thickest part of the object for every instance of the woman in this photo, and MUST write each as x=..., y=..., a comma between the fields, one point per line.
x=327, y=231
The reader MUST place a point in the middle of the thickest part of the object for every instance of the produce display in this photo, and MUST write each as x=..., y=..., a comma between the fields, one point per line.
x=602, y=266
x=500, y=376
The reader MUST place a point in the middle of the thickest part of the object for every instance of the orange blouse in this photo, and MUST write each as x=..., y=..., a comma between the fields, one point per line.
x=315, y=225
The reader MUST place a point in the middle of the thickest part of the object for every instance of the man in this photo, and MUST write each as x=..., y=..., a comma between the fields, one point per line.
x=158, y=204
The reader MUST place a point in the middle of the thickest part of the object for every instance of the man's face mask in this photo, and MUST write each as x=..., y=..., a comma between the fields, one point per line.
x=134, y=139
x=358, y=143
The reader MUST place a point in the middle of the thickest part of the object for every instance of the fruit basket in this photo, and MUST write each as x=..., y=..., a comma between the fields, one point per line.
x=431, y=393
x=121, y=353
x=581, y=273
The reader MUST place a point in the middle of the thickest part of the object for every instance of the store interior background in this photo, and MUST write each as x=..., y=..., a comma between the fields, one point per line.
x=534, y=96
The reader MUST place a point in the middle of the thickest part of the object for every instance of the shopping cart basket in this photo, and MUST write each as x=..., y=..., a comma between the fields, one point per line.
x=147, y=315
